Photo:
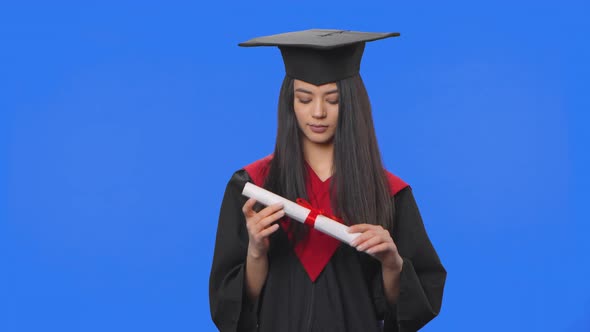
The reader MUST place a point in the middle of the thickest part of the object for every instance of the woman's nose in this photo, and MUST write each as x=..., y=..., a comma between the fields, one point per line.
x=318, y=111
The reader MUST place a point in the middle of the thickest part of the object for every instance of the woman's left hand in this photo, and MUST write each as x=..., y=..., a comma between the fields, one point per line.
x=377, y=242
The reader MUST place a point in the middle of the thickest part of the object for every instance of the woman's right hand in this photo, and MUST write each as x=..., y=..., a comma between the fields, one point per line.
x=260, y=226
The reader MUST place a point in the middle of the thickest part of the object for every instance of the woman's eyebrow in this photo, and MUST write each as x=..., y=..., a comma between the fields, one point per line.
x=303, y=90
x=309, y=92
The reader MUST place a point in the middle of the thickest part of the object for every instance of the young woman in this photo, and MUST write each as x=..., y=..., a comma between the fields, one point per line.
x=273, y=274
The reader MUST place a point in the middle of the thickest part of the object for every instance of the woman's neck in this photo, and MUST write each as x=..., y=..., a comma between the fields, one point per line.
x=320, y=158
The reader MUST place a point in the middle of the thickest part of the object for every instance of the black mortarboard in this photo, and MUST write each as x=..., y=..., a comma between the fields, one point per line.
x=320, y=56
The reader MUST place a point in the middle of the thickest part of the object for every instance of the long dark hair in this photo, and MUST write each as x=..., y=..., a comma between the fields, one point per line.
x=360, y=191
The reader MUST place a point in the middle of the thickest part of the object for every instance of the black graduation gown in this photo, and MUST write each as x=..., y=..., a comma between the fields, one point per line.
x=347, y=296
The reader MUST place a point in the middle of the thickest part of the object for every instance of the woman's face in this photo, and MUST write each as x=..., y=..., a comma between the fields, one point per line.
x=316, y=110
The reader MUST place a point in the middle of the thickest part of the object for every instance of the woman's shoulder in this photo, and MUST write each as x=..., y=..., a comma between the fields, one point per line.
x=258, y=170
x=396, y=184
x=254, y=172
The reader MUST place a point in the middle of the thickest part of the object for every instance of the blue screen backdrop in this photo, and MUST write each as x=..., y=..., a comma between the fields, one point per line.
x=121, y=123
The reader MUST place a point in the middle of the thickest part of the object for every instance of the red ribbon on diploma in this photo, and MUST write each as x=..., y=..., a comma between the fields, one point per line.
x=313, y=213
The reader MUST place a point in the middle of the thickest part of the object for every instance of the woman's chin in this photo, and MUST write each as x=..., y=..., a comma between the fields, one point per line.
x=326, y=140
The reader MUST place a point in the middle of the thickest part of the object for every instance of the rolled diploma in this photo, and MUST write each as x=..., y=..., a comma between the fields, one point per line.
x=297, y=212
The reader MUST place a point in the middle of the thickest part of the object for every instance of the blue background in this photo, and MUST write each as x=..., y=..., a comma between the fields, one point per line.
x=121, y=122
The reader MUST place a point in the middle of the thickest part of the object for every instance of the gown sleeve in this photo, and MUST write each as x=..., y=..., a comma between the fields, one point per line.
x=230, y=307
x=422, y=278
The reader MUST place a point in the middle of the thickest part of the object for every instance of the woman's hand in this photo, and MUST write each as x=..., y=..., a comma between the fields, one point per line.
x=260, y=226
x=377, y=242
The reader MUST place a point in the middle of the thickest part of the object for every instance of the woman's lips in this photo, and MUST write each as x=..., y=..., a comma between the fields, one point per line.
x=318, y=129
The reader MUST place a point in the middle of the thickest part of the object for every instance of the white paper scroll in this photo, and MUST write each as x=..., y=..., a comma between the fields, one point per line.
x=300, y=213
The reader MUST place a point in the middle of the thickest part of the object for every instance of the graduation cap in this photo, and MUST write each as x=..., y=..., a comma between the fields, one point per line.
x=320, y=56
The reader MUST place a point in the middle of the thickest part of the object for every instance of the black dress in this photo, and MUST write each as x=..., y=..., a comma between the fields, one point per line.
x=348, y=294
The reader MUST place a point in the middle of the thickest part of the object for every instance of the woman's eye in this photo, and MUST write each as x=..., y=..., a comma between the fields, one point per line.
x=333, y=102
x=305, y=101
